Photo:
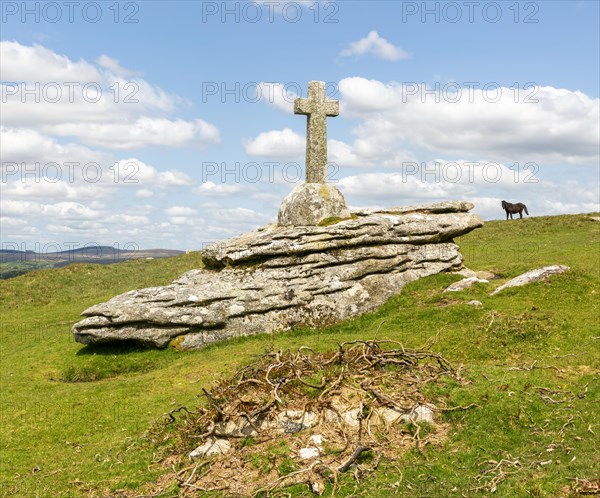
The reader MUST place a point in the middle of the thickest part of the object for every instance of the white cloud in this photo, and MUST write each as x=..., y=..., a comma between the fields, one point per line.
x=23, y=63
x=393, y=187
x=181, y=215
x=278, y=95
x=343, y=154
x=212, y=189
x=27, y=145
x=143, y=193
x=51, y=190
x=93, y=104
x=137, y=173
x=60, y=210
x=180, y=211
x=277, y=144
x=5, y=222
x=484, y=184
x=143, y=132
x=561, y=127
x=114, y=67
x=375, y=45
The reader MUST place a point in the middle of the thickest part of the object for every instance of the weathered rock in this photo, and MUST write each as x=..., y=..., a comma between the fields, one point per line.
x=466, y=272
x=311, y=203
x=237, y=428
x=212, y=446
x=474, y=302
x=463, y=284
x=309, y=453
x=292, y=421
x=482, y=274
x=420, y=413
x=434, y=208
x=486, y=275
x=375, y=231
x=278, y=278
x=352, y=417
x=532, y=276
x=316, y=440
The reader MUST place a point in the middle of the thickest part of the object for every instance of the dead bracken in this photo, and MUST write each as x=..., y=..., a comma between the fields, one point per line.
x=306, y=417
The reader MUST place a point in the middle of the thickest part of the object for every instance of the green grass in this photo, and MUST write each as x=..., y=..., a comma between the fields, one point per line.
x=74, y=418
x=16, y=268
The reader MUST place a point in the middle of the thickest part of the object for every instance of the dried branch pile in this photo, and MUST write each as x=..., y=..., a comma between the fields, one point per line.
x=306, y=417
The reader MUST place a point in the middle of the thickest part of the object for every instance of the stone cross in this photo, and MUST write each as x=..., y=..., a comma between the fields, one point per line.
x=317, y=108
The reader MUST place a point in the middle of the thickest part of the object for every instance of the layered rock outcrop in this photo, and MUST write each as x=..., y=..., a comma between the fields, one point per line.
x=278, y=278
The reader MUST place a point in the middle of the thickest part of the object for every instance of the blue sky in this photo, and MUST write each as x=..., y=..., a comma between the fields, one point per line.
x=439, y=100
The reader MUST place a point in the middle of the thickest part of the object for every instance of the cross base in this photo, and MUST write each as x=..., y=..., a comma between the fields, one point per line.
x=311, y=203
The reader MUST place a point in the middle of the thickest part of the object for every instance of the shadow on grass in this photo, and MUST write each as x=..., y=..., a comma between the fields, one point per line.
x=96, y=362
x=116, y=348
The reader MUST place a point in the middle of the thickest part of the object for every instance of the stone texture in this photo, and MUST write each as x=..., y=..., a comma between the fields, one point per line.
x=466, y=272
x=418, y=414
x=421, y=413
x=292, y=421
x=532, y=276
x=316, y=440
x=212, y=446
x=238, y=428
x=317, y=108
x=463, y=284
x=434, y=208
x=309, y=453
x=486, y=275
x=310, y=203
x=278, y=278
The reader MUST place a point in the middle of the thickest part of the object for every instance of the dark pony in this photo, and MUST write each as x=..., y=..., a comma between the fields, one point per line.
x=511, y=209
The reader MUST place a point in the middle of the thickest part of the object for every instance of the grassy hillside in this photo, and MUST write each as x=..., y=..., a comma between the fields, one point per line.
x=14, y=263
x=74, y=418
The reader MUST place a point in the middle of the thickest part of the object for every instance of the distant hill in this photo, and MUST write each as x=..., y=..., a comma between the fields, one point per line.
x=14, y=262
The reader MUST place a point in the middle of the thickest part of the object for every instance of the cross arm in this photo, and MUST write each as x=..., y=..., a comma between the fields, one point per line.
x=303, y=106
x=331, y=108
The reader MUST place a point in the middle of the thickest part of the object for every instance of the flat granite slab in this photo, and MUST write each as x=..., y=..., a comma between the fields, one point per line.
x=278, y=278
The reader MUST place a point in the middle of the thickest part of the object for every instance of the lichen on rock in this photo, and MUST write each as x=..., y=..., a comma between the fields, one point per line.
x=310, y=203
x=282, y=277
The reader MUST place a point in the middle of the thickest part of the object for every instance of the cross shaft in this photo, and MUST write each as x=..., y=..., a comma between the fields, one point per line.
x=317, y=108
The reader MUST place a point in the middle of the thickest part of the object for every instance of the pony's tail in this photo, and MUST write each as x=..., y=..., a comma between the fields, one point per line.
x=525, y=208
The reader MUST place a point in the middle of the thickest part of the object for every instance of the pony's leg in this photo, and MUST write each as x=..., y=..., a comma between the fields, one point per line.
x=521, y=213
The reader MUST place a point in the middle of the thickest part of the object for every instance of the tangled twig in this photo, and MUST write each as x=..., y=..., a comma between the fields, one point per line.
x=344, y=394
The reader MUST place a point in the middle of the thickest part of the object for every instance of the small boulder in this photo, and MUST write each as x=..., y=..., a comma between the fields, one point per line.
x=532, y=276
x=212, y=446
x=351, y=417
x=486, y=275
x=309, y=453
x=421, y=413
x=311, y=203
x=466, y=272
x=316, y=440
x=231, y=428
x=292, y=421
x=388, y=415
x=463, y=284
